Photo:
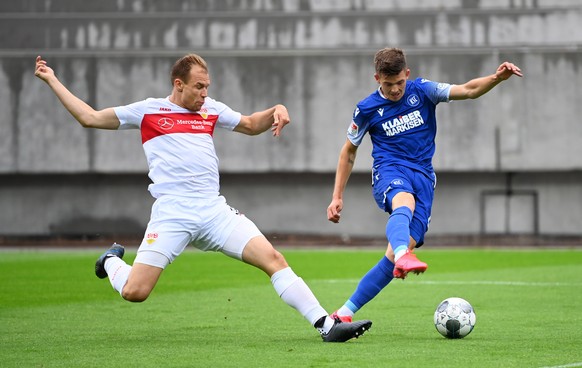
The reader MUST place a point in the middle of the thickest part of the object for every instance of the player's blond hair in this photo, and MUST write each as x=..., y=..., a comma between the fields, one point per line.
x=389, y=61
x=182, y=66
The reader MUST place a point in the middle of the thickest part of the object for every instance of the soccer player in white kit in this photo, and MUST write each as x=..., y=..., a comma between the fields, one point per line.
x=177, y=136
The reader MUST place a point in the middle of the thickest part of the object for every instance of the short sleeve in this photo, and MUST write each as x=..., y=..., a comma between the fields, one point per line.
x=227, y=117
x=130, y=116
x=358, y=127
x=435, y=91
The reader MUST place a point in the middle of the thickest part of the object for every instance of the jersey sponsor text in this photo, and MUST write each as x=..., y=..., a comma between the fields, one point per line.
x=402, y=123
x=184, y=123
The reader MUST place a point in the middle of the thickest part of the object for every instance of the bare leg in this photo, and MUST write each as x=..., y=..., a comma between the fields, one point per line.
x=260, y=253
x=141, y=282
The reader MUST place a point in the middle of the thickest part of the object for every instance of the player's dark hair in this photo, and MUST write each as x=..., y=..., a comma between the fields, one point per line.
x=182, y=66
x=389, y=61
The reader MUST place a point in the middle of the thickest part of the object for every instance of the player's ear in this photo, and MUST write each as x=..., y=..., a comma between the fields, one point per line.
x=407, y=73
x=178, y=84
x=377, y=77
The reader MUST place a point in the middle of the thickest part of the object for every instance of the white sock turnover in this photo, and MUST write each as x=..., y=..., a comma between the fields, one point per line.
x=118, y=272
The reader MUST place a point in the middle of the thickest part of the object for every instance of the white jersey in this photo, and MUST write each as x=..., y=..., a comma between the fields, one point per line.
x=178, y=143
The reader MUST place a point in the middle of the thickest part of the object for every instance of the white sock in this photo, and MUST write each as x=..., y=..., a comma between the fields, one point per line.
x=117, y=271
x=327, y=325
x=345, y=311
x=295, y=292
x=400, y=252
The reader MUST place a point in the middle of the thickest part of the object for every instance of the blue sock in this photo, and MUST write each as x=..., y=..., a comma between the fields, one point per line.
x=371, y=284
x=398, y=228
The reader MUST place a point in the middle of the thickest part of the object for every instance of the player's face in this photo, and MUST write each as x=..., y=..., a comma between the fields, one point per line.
x=393, y=86
x=195, y=91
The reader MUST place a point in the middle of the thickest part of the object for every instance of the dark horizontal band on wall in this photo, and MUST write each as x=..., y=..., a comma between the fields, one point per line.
x=305, y=52
x=246, y=14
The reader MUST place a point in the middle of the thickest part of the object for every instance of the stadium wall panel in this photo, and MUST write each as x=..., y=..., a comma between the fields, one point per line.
x=315, y=56
x=95, y=205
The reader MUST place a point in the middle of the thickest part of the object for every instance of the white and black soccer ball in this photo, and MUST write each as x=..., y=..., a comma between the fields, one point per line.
x=454, y=318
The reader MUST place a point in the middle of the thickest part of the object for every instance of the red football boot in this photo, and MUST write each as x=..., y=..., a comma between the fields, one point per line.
x=345, y=319
x=408, y=263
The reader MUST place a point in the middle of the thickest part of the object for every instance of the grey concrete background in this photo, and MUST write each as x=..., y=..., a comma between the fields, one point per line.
x=508, y=163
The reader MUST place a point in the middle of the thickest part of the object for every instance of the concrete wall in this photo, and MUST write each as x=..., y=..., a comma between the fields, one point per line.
x=510, y=161
x=295, y=203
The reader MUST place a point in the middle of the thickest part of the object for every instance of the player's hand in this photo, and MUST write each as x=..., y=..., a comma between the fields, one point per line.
x=281, y=118
x=42, y=70
x=507, y=69
x=334, y=210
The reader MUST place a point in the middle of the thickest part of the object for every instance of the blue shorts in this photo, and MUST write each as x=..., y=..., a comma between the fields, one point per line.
x=387, y=181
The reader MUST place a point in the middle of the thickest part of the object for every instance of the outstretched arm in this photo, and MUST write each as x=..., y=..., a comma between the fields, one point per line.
x=345, y=165
x=85, y=114
x=479, y=86
x=274, y=118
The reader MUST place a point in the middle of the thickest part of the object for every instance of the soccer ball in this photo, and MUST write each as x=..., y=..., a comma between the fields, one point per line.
x=454, y=318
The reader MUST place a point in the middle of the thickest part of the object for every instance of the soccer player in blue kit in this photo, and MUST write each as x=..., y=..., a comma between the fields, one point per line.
x=400, y=118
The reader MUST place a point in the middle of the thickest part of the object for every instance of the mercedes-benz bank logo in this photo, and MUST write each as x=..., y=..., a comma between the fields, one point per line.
x=166, y=123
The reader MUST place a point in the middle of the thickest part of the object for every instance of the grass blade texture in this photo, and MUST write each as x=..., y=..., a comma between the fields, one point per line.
x=211, y=311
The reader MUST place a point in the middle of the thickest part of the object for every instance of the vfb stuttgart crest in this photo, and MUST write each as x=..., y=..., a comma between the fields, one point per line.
x=166, y=123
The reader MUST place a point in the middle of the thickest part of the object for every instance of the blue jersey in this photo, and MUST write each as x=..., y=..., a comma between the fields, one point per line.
x=403, y=132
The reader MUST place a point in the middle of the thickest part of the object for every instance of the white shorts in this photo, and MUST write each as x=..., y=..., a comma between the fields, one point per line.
x=209, y=224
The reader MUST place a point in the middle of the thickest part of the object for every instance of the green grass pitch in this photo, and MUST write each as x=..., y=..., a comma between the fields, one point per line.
x=211, y=311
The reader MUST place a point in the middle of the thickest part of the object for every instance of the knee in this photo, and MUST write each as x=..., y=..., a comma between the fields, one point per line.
x=135, y=294
x=273, y=262
x=278, y=259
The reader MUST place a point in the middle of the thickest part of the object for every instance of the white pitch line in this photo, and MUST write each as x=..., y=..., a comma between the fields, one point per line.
x=484, y=282
x=501, y=283
x=579, y=364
